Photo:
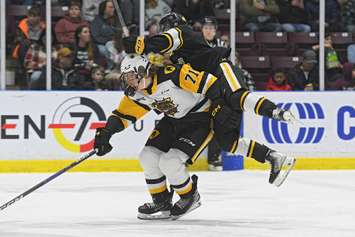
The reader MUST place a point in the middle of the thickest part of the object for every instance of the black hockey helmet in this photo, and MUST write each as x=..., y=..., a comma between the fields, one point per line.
x=171, y=20
x=210, y=20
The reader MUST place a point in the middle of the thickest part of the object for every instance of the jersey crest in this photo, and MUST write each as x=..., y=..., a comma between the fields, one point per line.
x=166, y=105
x=169, y=69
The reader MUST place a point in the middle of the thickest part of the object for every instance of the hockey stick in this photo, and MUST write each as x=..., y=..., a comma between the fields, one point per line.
x=120, y=18
x=47, y=180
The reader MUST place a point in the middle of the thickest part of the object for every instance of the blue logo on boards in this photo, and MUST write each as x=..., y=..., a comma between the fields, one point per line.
x=346, y=132
x=278, y=132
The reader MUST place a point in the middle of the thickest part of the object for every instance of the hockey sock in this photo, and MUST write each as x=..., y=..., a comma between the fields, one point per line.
x=244, y=100
x=157, y=188
x=251, y=148
x=185, y=189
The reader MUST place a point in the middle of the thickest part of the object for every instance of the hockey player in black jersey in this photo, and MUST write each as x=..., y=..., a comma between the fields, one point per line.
x=184, y=45
x=184, y=95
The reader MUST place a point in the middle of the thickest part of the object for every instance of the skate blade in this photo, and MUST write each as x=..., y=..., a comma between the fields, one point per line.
x=165, y=215
x=287, y=166
x=195, y=206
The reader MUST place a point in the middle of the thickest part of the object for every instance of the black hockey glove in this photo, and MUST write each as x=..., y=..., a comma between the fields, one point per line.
x=284, y=115
x=134, y=44
x=101, y=143
x=224, y=117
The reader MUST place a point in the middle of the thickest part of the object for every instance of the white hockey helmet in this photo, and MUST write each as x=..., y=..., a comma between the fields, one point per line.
x=135, y=63
x=133, y=66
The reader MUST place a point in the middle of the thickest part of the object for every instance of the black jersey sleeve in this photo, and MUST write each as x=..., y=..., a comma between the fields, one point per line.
x=163, y=43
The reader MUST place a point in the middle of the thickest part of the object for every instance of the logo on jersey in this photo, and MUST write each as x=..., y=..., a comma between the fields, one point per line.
x=169, y=69
x=309, y=113
x=154, y=134
x=71, y=122
x=166, y=105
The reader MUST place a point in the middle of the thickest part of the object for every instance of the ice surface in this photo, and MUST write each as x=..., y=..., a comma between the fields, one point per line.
x=241, y=203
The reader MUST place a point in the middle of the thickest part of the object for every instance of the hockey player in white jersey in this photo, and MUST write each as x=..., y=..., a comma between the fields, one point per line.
x=184, y=95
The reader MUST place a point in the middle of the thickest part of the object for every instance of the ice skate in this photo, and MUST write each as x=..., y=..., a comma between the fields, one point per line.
x=281, y=166
x=186, y=205
x=215, y=165
x=156, y=210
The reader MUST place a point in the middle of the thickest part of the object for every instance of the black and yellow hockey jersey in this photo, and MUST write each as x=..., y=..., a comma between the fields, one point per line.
x=176, y=91
x=183, y=44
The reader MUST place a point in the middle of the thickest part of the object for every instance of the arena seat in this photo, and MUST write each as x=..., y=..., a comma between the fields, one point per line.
x=341, y=38
x=259, y=63
x=245, y=44
x=272, y=43
x=285, y=62
x=259, y=67
x=300, y=41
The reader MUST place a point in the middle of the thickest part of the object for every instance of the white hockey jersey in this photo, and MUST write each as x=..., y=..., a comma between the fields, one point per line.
x=176, y=91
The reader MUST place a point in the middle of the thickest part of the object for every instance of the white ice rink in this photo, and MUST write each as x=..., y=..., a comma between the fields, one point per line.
x=241, y=203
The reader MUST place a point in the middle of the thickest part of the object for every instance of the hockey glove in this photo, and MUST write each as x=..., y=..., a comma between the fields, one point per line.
x=133, y=44
x=101, y=143
x=284, y=115
x=224, y=116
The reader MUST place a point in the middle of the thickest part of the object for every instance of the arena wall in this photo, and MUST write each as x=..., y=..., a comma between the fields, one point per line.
x=45, y=131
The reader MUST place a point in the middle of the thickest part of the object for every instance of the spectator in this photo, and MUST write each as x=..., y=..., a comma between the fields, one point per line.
x=86, y=52
x=259, y=15
x=278, y=81
x=153, y=28
x=333, y=67
x=348, y=15
x=351, y=53
x=31, y=30
x=154, y=10
x=226, y=40
x=292, y=16
x=343, y=82
x=249, y=81
x=304, y=76
x=194, y=10
x=349, y=76
x=102, y=82
x=66, y=27
x=311, y=7
x=332, y=16
x=116, y=51
x=64, y=75
x=35, y=60
x=90, y=9
x=105, y=26
x=130, y=12
x=197, y=26
x=97, y=76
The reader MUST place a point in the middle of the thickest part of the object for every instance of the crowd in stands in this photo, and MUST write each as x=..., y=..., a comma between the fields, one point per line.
x=87, y=47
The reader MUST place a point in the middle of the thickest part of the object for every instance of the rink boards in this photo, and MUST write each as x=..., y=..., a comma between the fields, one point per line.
x=44, y=131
